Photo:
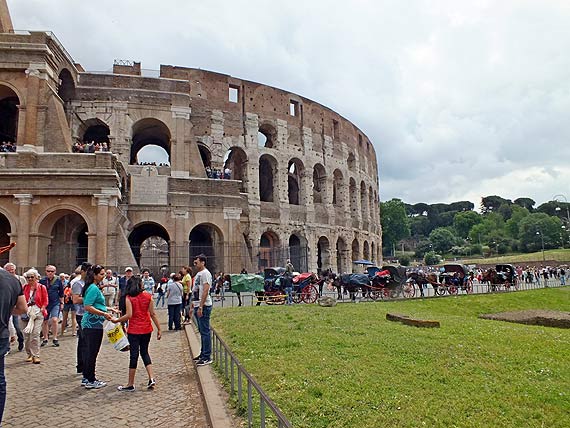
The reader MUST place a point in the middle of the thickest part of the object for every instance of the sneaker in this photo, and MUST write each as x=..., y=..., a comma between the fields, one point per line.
x=198, y=358
x=44, y=343
x=84, y=381
x=151, y=383
x=126, y=388
x=20, y=347
x=29, y=359
x=204, y=362
x=95, y=384
x=36, y=360
x=55, y=343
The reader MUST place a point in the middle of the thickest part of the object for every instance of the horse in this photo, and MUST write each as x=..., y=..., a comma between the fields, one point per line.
x=352, y=282
x=495, y=279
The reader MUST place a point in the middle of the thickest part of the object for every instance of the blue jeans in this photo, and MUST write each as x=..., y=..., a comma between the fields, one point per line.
x=289, y=293
x=158, y=299
x=204, y=329
x=174, y=316
x=4, y=347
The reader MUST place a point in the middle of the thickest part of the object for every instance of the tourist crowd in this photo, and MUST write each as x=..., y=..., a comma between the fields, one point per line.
x=225, y=174
x=92, y=147
x=7, y=146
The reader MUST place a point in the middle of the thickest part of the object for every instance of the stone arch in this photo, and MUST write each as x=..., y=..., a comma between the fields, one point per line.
x=205, y=155
x=353, y=192
x=295, y=170
x=267, y=175
x=269, y=250
x=363, y=201
x=149, y=242
x=63, y=237
x=94, y=130
x=323, y=254
x=9, y=116
x=338, y=191
x=341, y=255
x=66, y=87
x=355, y=249
x=366, y=251
x=207, y=238
x=267, y=136
x=5, y=231
x=319, y=184
x=149, y=132
x=298, y=252
x=236, y=160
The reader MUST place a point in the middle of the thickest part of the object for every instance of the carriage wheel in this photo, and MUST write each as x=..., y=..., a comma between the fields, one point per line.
x=297, y=297
x=375, y=294
x=439, y=290
x=385, y=293
x=395, y=292
x=452, y=289
x=408, y=290
x=310, y=294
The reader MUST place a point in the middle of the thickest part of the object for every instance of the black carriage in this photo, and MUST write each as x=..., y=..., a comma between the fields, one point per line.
x=272, y=293
x=388, y=282
x=452, y=278
x=506, y=277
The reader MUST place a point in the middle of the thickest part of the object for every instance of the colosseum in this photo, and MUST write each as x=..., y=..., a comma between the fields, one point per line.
x=252, y=174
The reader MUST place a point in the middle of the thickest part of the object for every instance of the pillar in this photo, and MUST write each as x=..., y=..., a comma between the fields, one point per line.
x=102, y=228
x=23, y=228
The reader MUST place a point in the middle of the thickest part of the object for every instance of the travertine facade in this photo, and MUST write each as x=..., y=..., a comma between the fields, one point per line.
x=304, y=180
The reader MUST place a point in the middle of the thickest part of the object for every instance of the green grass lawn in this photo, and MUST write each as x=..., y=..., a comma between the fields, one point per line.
x=348, y=367
x=558, y=255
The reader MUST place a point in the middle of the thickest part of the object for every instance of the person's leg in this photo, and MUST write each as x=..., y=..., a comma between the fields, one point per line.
x=134, y=345
x=204, y=327
x=177, y=317
x=171, y=309
x=80, y=345
x=45, y=331
x=144, y=342
x=4, y=347
x=93, y=339
x=35, y=337
x=73, y=323
x=65, y=315
x=16, y=321
x=54, y=323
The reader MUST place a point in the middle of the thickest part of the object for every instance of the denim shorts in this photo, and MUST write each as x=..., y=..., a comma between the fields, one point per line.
x=53, y=312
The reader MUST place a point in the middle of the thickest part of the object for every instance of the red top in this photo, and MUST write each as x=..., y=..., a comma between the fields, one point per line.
x=40, y=298
x=140, y=320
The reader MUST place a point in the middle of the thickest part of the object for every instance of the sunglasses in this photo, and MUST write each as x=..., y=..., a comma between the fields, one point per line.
x=30, y=277
x=50, y=271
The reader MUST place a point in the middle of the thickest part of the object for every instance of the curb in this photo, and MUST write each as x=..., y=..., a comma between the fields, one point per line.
x=216, y=410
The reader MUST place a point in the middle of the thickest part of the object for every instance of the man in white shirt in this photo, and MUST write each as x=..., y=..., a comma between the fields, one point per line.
x=202, y=302
x=110, y=285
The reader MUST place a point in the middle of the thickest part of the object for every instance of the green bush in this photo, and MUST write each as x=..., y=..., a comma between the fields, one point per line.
x=431, y=258
x=405, y=260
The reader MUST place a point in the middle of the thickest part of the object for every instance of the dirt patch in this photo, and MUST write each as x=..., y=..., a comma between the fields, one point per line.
x=533, y=317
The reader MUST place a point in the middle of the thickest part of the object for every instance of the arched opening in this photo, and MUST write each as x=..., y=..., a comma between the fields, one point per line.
x=63, y=240
x=319, y=184
x=338, y=191
x=9, y=103
x=341, y=255
x=366, y=251
x=5, y=230
x=355, y=250
x=294, y=173
x=150, y=132
x=371, y=205
x=266, y=136
x=236, y=161
x=363, y=201
x=205, y=155
x=353, y=198
x=207, y=239
x=267, y=174
x=270, y=253
x=323, y=255
x=94, y=134
x=66, y=88
x=298, y=252
x=149, y=244
x=351, y=161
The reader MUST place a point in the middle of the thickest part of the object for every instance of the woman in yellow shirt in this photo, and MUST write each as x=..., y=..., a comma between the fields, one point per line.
x=186, y=289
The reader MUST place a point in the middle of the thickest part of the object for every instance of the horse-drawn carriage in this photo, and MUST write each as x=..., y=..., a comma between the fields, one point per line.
x=388, y=282
x=276, y=280
x=503, y=275
x=452, y=278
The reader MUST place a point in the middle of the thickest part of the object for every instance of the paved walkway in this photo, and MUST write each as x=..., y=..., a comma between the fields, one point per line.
x=49, y=394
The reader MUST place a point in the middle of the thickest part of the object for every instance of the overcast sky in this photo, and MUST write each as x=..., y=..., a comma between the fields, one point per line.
x=461, y=99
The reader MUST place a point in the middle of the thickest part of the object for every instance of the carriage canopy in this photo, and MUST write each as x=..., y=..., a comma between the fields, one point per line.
x=456, y=267
x=246, y=282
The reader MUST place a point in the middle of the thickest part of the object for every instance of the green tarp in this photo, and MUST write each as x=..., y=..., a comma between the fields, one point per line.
x=242, y=283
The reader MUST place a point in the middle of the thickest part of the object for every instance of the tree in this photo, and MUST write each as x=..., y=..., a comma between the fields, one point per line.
x=493, y=203
x=490, y=229
x=395, y=223
x=512, y=224
x=537, y=228
x=431, y=258
x=525, y=203
x=464, y=221
x=442, y=239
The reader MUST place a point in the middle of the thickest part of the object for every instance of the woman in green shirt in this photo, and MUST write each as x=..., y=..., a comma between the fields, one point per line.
x=92, y=324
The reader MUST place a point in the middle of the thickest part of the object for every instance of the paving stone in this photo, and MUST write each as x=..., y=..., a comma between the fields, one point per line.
x=49, y=394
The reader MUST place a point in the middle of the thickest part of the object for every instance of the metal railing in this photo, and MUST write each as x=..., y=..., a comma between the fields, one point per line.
x=236, y=374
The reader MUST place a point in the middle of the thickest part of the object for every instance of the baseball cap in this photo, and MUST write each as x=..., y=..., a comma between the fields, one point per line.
x=128, y=268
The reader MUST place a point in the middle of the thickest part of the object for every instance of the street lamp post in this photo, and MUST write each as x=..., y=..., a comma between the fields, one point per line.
x=542, y=241
x=555, y=198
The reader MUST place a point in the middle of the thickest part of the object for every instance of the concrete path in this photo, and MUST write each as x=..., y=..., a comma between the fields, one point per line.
x=49, y=394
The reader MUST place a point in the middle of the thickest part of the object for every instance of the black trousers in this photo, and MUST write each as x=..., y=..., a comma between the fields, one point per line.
x=93, y=339
x=80, y=344
x=174, y=316
x=139, y=345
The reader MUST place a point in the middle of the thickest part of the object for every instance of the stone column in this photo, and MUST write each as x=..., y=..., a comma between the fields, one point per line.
x=31, y=110
x=232, y=262
x=179, y=147
x=23, y=228
x=179, y=245
x=102, y=228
